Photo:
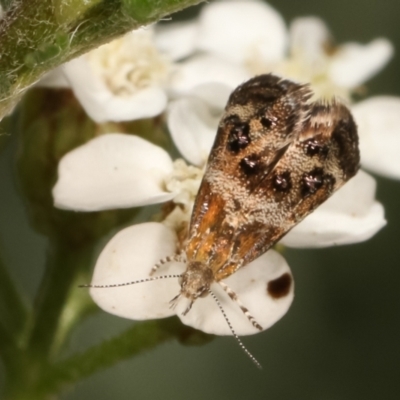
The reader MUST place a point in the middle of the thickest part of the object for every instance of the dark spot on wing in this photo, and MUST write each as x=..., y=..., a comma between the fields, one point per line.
x=313, y=147
x=329, y=181
x=266, y=122
x=237, y=204
x=346, y=139
x=250, y=165
x=238, y=137
x=282, y=182
x=280, y=287
x=312, y=181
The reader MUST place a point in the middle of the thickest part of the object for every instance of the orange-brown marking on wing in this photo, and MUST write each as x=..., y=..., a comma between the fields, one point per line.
x=210, y=237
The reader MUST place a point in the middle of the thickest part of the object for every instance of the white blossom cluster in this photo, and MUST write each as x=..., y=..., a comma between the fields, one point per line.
x=187, y=70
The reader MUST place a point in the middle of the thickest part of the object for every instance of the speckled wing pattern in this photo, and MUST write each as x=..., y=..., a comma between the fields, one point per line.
x=277, y=156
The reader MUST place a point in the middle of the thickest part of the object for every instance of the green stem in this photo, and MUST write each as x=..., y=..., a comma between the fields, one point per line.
x=13, y=313
x=143, y=336
x=79, y=306
x=39, y=35
x=40, y=382
x=64, y=265
x=7, y=347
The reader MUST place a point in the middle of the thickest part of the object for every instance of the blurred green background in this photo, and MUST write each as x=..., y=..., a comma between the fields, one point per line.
x=341, y=337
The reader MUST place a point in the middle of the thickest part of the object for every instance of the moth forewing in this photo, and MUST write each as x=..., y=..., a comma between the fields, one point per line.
x=262, y=117
x=276, y=157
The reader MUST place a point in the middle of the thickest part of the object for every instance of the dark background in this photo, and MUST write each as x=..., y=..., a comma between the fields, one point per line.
x=341, y=337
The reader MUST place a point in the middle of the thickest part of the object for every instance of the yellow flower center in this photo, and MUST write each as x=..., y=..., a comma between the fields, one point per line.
x=130, y=63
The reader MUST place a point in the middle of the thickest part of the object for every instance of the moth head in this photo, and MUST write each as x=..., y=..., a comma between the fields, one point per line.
x=196, y=280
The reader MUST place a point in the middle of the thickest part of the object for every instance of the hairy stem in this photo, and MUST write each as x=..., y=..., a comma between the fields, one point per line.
x=39, y=35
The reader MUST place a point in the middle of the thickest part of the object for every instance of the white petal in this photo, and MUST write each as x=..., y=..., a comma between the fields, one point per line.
x=129, y=256
x=250, y=283
x=102, y=105
x=112, y=171
x=355, y=63
x=378, y=120
x=177, y=40
x=205, y=69
x=54, y=79
x=238, y=30
x=308, y=37
x=193, y=124
x=351, y=215
x=216, y=95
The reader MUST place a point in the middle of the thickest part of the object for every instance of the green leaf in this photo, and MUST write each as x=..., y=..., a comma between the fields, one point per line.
x=146, y=11
x=66, y=11
x=39, y=35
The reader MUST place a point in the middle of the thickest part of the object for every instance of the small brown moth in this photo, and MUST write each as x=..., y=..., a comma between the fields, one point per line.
x=276, y=157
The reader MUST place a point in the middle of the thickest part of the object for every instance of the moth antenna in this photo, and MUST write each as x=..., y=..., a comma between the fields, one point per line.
x=179, y=257
x=154, y=278
x=242, y=346
x=245, y=311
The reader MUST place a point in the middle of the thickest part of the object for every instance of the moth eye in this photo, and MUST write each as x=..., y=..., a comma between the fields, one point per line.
x=238, y=138
x=250, y=164
x=282, y=182
x=313, y=147
x=312, y=181
x=266, y=122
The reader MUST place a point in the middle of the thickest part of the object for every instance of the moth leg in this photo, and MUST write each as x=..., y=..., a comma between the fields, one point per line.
x=245, y=311
x=179, y=257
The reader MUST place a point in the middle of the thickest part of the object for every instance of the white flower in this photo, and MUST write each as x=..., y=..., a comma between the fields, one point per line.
x=130, y=255
x=131, y=77
x=254, y=36
x=378, y=120
x=113, y=171
x=253, y=39
x=193, y=120
x=351, y=215
x=118, y=170
x=120, y=81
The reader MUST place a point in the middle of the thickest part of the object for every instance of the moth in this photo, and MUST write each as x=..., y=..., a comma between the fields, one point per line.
x=277, y=156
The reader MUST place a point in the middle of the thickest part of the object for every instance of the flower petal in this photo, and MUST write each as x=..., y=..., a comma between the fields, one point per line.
x=112, y=171
x=129, y=256
x=308, y=38
x=177, y=40
x=351, y=215
x=204, y=69
x=237, y=30
x=378, y=120
x=215, y=94
x=193, y=122
x=265, y=287
x=102, y=105
x=355, y=63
